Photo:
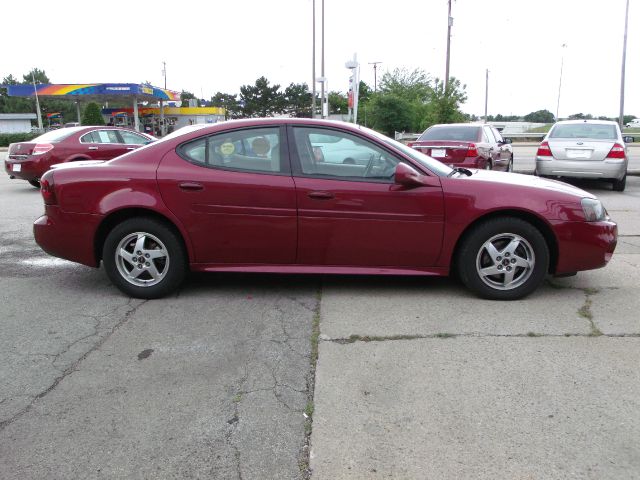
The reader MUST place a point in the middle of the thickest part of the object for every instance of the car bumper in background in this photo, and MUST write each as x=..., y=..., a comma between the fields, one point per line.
x=67, y=235
x=23, y=169
x=581, y=169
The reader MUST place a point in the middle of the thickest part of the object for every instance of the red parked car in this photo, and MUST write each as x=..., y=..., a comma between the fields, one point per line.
x=29, y=160
x=251, y=196
x=467, y=145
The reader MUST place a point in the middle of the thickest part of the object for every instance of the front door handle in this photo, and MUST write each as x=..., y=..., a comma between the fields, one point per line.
x=131, y=148
x=320, y=195
x=93, y=148
x=191, y=186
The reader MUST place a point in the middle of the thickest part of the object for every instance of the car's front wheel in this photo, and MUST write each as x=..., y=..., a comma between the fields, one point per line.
x=144, y=258
x=503, y=259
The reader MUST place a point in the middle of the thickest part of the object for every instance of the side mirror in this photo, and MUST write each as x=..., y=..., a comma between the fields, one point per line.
x=408, y=176
x=507, y=140
x=629, y=139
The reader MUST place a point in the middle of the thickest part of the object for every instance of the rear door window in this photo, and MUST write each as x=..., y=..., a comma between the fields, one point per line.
x=455, y=133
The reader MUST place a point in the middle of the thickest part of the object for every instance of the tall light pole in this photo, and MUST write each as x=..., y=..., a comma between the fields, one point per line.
x=375, y=75
x=449, y=25
x=564, y=45
x=486, y=95
x=624, y=61
x=325, y=108
x=35, y=91
x=313, y=62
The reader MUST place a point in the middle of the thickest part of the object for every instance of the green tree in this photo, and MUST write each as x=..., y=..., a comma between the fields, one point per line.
x=92, y=115
x=297, y=100
x=186, y=96
x=364, y=93
x=229, y=102
x=412, y=85
x=444, y=104
x=36, y=74
x=540, y=116
x=261, y=100
x=338, y=103
x=389, y=113
x=580, y=116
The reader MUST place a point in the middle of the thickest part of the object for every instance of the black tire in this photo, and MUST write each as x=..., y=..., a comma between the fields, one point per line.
x=34, y=183
x=489, y=165
x=510, y=165
x=620, y=185
x=473, y=256
x=156, y=277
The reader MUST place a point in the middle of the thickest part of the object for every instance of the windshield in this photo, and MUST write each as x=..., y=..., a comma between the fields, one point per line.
x=435, y=166
x=54, y=135
x=601, y=131
x=455, y=133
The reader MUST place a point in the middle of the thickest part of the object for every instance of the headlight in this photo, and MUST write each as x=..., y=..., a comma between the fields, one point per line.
x=593, y=210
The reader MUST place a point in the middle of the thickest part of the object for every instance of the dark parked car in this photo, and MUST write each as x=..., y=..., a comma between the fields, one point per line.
x=251, y=196
x=467, y=145
x=29, y=160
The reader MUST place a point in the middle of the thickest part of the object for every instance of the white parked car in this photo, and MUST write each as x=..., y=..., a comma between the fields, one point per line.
x=584, y=149
x=635, y=123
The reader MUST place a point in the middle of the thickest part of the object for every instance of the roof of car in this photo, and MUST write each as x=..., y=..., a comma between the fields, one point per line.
x=607, y=122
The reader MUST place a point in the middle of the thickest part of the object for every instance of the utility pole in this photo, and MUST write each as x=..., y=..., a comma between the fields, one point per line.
x=624, y=61
x=162, y=126
x=486, y=95
x=564, y=45
x=35, y=91
x=449, y=25
x=375, y=75
x=313, y=64
x=323, y=100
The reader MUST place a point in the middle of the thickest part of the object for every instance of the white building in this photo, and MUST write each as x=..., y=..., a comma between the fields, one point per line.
x=16, y=122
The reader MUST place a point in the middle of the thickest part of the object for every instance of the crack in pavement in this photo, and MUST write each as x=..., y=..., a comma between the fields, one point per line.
x=73, y=367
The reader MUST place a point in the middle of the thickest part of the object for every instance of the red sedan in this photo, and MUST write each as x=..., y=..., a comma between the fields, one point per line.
x=251, y=196
x=29, y=160
x=467, y=145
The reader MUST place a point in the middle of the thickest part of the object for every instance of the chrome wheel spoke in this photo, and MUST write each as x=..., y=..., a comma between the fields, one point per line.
x=508, y=277
x=140, y=243
x=513, y=245
x=153, y=271
x=126, y=256
x=521, y=262
x=492, y=251
x=153, y=254
x=492, y=270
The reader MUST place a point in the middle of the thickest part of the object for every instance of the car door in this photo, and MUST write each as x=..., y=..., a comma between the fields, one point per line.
x=102, y=144
x=355, y=215
x=493, y=147
x=234, y=194
x=132, y=140
x=505, y=149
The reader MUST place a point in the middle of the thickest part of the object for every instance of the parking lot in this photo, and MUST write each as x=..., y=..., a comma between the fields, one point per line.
x=416, y=378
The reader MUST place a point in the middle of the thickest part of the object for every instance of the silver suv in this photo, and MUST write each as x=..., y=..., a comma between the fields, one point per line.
x=584, y=149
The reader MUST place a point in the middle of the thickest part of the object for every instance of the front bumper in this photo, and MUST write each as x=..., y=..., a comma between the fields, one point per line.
x=581, y=169
x=67, y=235
x=584, y=245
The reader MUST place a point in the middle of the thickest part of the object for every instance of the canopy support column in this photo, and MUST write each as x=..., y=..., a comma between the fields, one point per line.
x=78, y=111
x=136, y=120
x=162, y=126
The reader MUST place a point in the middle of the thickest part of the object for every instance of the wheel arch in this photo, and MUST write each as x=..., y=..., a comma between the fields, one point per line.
x=119, y=216
x=544, y=228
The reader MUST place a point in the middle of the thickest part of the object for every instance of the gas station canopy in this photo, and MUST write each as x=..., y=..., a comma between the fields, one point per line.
x=99, y=92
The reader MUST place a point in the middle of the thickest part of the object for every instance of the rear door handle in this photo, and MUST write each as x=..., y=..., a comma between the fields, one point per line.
x=93, y=148
x=131, y=148
x=191, y=186
x=320, y=195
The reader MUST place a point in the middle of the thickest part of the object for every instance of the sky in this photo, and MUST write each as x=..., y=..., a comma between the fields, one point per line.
x=219, y=45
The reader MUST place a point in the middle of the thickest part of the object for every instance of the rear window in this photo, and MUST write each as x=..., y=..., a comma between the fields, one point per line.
x=585, y=130
x=54, y=136
x=462, y=134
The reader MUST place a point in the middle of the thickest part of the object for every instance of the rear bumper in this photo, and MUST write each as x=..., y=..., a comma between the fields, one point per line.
x=581, y=169
x=67, y=235
x=584, y=245
x=31, y=169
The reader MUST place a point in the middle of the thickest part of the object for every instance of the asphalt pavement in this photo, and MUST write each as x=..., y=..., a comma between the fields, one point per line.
x=416, y=378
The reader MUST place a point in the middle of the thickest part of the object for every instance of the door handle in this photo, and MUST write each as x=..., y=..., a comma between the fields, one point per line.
x=131, y=148
x=93, y=148
x=191, y=186
x=320, y=195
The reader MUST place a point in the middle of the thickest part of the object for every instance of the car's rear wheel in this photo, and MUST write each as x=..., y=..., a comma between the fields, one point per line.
x=144, y=258
x=34, y=183
x=489, y=165
x=510, y=165
x=620, y=185
x=503, y=259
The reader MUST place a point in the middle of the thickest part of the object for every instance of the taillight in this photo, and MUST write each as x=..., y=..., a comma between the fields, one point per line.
x=410, y=144
x=472, y=151
x=617, y=151
x=544, y=150
x=47, y=189
x=41, y=148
